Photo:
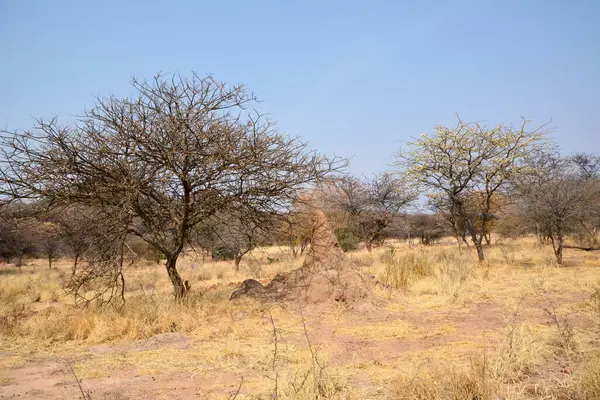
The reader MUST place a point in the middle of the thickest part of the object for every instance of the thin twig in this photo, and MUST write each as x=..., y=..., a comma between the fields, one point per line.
x=85, y=394
x=275, y=393
x=234, y=395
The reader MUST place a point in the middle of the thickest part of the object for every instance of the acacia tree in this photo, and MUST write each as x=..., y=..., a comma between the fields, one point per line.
x=425, y=227
x=555, y=199
x=295, y=231
x=586, y=168
x=240, y=231
x=465, y=169
x=172, y=156
x=17, y=234
x=369, y=205
x=79, y=229
x=50, y=242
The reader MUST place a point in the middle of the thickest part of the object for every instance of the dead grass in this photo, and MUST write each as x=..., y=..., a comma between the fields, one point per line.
x=446, y=327
x=447, y=382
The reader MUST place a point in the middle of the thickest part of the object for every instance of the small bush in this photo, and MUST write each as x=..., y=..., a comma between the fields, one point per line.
x=400, y=271
x=419, y=387
x=450, y=383
x=520, y=354
x=565, y=332
x=452, y=273
x=347, y=239
x=588, y=384
x=223, y=253
x=204, y=276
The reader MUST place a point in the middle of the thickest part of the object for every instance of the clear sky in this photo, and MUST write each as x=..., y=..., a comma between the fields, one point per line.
x=352, y=78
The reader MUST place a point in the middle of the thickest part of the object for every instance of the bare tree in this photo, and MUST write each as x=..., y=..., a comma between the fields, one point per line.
x=174, y=155
x=465, y=170
x=368, y=206
x=587, y=168
x=76, y=229
x=241, y=231
x=555, y=198
x=17, y=233
x=50, y=242
x=425, y=227
x=295, y=230
x=100, y=278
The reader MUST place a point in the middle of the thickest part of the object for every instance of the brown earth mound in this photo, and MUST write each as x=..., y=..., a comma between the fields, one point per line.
x=326, y=274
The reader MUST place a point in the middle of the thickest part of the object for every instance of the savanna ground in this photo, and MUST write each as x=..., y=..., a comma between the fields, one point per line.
x=440, y=326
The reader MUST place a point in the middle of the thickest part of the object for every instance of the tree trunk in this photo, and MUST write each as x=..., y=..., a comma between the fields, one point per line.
x=76, y=258
x=179, y=288
x=236, y=260
x=480, y=254
x=538, y=235
x=369, y=245
x=477, y=241
x=488, y=239
x=558, y=250
x=303, y=247
x=465, y=241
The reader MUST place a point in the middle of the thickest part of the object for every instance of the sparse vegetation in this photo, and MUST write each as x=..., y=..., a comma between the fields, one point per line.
x=301, y=282
x=491, y=340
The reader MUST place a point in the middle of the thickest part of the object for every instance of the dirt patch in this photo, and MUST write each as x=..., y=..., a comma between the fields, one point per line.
x=36, y=381
x=173, y=340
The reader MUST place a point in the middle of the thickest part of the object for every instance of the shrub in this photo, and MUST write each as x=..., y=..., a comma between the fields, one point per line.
x=401, y=270
x=347, y=239
x=451, y=382
x=223, y=253
x=589, y=381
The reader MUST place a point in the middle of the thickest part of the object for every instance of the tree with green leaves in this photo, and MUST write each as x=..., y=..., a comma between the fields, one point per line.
x=467, y=171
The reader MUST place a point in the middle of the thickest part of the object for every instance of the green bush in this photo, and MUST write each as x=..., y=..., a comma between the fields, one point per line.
x=223, y=253
x=347, y=239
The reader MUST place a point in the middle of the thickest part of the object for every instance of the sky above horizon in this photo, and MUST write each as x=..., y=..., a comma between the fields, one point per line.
x=354, y=79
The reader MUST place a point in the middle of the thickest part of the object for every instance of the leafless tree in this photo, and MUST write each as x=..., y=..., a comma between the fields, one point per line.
x=174, y=155
x=241, y=230
x=104, y=248
x=368, y=206
x=76, y=228
x=17, y=233
x=554, y=199
x=295, y=231
x=50, y=242
x=426, y=227
x=587, y=168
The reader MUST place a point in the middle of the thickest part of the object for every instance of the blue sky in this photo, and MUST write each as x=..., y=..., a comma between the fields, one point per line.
x=351, y=78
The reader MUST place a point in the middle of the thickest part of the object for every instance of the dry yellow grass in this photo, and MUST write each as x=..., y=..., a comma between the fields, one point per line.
x=444, y=326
